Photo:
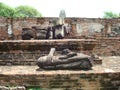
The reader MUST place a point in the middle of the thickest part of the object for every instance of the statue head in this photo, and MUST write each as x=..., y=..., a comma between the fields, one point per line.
x=66, y=51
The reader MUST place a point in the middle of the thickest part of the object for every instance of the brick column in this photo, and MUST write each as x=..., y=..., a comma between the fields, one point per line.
x=74, y=31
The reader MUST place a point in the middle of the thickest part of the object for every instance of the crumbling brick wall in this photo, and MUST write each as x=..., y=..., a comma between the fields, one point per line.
x=107, y=47
x=3, y=28
x=19, y=24
x=82, y=28
x=66, y=81
x=26, y=52
x=95, y=27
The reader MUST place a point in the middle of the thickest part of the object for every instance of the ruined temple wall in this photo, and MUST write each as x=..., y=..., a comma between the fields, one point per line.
x=107, y=47
x=3, y=28
x=94, y=27
x=20, y=23
x=80, y=26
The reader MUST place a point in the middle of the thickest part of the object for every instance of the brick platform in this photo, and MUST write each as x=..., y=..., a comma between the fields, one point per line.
x=101, y=77
x=25, y=52
x=45, y=45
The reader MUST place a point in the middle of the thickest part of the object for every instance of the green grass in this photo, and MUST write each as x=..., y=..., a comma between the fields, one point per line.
x=34, y=89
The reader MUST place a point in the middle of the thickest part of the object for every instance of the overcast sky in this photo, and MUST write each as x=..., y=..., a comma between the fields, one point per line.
x=73, y=8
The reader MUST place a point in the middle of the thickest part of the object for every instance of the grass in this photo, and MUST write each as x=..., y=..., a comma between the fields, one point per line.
x=34, y=89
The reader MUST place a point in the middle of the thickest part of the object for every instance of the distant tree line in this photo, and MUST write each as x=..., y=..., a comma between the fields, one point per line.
x=20, y=11
x=110, y=14
x=28, y=11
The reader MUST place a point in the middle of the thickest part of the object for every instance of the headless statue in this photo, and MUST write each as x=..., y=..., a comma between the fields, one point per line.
x=67, y=60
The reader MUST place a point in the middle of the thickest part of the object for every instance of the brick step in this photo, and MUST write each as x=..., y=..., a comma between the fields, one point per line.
x=45, y=45
x=30, y=76
x=18, y=62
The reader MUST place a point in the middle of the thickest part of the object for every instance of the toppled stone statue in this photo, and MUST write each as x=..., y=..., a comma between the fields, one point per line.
x=27, y=34
x=51, y=31
x=66, y=60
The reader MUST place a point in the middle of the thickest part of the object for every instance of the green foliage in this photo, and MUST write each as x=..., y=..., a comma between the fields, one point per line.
x=26, y=11
x=34, y=89
x=6, y=11
x=110, y=15
x=20, y=11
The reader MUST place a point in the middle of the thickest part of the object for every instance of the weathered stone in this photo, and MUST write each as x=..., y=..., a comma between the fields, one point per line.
x=69, y=60
x=18, y=88
x=4, y=88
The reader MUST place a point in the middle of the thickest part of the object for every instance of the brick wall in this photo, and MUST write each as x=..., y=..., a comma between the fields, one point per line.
x=3, y=28
x=14, y=52
x=26, y=52
x=107, y=47
x=20, y=23
x=80, y=26
x=67, y=81
x=18, y=52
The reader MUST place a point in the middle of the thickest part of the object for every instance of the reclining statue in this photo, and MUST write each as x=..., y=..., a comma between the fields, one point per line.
x=66, y=60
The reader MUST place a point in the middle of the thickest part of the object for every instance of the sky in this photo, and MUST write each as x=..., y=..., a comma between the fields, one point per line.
x=73, y=8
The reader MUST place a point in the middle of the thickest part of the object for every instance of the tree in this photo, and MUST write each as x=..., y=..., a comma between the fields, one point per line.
x=6, y=11
x=20, y=11
x=26, y=11
x=110, y=15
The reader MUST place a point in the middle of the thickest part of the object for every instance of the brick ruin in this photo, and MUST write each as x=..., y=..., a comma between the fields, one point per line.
x=104, y=31
x=87, y=35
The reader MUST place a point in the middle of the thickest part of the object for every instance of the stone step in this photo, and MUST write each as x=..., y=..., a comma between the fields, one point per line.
x=32, y=76
x=45, y=45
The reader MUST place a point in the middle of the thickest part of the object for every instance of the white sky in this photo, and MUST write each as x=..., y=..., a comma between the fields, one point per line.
x=73, y=8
